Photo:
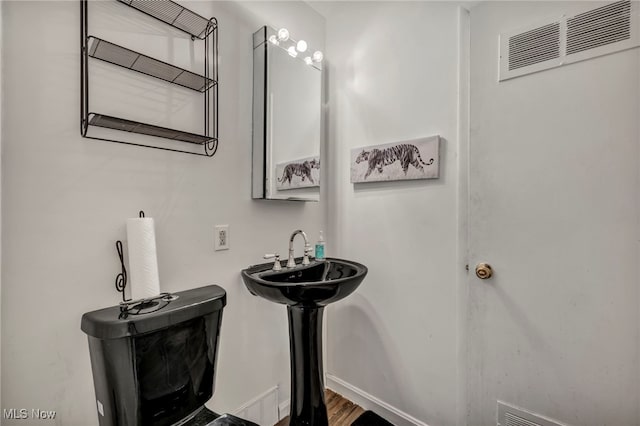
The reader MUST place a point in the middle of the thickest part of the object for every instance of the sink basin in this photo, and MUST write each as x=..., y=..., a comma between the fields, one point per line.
x=306, y=290
x=317, y=284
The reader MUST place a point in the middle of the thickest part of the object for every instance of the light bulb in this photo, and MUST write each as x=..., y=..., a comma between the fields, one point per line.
x=283, y=34
x=308, y=60
x=301, y=46
x=292, y=51
x=317, y=56
x=273, y=39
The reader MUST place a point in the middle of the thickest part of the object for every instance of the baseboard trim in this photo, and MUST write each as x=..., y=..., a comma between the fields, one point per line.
x=283, y=409
x=262, y=409
x=254, y=400
x=370, y=402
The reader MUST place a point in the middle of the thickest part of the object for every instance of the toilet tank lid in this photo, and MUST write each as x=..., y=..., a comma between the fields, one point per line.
x=109, y=323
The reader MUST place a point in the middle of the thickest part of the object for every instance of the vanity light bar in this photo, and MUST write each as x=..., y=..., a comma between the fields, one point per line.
x=293, y=47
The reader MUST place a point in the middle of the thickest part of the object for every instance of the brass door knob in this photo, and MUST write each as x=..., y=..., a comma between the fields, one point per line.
x=484, y=271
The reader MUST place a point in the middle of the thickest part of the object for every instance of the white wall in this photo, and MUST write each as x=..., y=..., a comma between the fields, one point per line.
x=65, y=200
x=393, y=76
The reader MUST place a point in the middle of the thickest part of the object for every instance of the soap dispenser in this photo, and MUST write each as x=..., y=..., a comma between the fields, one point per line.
x=320, y=247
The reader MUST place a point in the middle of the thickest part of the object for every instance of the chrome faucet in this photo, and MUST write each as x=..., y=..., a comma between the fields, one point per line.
x=291, y=262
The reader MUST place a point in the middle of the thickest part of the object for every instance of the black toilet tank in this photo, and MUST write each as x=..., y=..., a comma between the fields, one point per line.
x=157, y=365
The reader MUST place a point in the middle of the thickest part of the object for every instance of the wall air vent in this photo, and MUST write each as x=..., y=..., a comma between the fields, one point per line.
x=568, y=39
x=534, y=46
x=603, y=30
x=509, y=415
x=599, y=27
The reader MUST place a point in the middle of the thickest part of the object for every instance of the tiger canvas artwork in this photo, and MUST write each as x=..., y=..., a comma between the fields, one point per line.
x=302, y=173
x=408, y=160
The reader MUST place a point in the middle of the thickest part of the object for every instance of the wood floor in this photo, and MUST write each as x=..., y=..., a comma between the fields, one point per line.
x=340, y=410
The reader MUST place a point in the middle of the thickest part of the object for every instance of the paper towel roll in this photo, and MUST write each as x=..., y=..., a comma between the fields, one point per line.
x=143, y=261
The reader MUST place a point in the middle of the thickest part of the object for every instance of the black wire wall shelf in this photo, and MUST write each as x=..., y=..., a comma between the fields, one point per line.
x=127, y=58
x=175, y=15
x=183, y=19
x=115, y=123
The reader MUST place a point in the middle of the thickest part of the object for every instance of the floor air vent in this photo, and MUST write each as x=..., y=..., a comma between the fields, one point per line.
x=509, y=415
x=592, y=33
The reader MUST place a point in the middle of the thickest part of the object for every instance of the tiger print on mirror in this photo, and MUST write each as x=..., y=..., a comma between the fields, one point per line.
x=408, y=160
x=303, y=173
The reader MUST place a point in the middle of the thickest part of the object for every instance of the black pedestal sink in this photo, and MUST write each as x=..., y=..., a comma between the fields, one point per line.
x=306, y=290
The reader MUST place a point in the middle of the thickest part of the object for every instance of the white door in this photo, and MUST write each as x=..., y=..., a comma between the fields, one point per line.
x=554, y=209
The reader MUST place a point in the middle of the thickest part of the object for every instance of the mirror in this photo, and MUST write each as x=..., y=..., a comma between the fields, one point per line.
x=287, y=100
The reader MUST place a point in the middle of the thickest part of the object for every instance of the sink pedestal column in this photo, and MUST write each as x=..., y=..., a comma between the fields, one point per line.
x=307, y=377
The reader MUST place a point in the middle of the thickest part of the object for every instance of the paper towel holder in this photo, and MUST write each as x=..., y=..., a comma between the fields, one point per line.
x=121, y=278
x=146, y=306
x=139, y=306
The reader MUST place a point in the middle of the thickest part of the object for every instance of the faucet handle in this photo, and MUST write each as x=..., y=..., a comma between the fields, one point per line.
x=276, y=262
x=307, y=251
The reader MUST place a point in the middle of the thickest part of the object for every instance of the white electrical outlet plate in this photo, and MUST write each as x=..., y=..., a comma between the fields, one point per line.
x=221, y=237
